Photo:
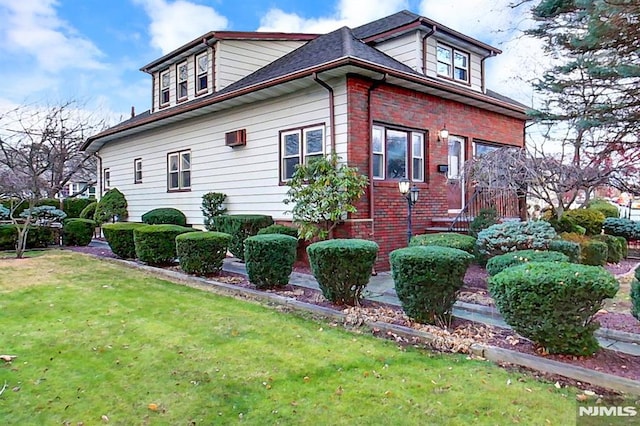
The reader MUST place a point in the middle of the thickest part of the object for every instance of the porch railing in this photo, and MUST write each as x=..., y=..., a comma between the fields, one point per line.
x=505, y=202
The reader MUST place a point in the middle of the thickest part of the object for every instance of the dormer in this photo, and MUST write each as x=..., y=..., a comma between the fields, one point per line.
x=210, y=63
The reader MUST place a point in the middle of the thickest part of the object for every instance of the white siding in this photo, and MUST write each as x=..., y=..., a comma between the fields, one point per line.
x=475, y=69
x=236, y=59
x=249, y=175
x=406, y=49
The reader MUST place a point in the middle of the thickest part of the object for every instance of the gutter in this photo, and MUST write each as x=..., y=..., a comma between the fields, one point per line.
x=483, y=85
x=332, y=111
x=100, y=177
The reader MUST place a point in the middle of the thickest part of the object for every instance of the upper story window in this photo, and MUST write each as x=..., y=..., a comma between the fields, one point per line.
x=452, y=63
x=137, y=170
x=165, y=85
x=183, y=76
x=299, y=146
x=179, y=171
x=398, y=154
x=202, y=73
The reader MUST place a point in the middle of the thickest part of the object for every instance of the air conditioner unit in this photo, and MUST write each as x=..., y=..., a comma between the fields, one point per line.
x=236, y=138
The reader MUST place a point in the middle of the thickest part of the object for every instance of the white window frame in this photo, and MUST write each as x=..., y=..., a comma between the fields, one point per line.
x=490, y=145
x=419, y=137
x=451, y=64
x=410, y=157
x=303, y=154
x=137, y=170
x=182, y=86
x=201, y=74
x=165, y=89
x=106, y=179
x=181, y=170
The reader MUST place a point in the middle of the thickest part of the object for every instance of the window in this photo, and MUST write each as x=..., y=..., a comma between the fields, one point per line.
x=182, y=81
x=179, y=170
x=392, y=151
x=106, y=179
x=452, y=63
x=480, y=149
x=137, y=170
x=300, y=146
x=202, y=73
x=165, y=83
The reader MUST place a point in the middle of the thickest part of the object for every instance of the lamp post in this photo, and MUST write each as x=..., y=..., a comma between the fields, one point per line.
x=411, y=194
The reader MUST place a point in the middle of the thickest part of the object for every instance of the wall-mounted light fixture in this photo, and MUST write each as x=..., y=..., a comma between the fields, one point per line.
x=443, y=134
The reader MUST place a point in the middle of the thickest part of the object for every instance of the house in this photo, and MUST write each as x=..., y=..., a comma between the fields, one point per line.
x=235, y=112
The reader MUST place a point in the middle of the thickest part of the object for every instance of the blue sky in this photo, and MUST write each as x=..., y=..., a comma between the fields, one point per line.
x=92, y=50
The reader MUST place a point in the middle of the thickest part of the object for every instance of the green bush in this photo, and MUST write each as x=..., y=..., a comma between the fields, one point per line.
x=37, y=237
x=44, y=215
x=603, y=206
x=569, y=248
x=77, y=232
x=427, y=280
x=590, y=220
x=615, y=248
x=565, y=224
x=635, y=295
x=594, y=253
x=269, y=259
x=499, y=263
x=510, y=236
x=202, y=253
x=553, y=304
x=156, y=244
x=625, y=246
x=622, y=227
x=342, y=267
x=445, y=239
x=119, y=236
x=212, y=206
x=74, y=206
x=112, y=205
x=89, y=211
x=164, y=216
x=240, y=226
x=484, y=219
x=279, y=229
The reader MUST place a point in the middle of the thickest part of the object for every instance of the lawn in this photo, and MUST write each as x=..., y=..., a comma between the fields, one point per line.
x=97, y=342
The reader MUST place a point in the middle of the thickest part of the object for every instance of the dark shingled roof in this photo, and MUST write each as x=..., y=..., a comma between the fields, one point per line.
x=383, y=25
x=503, y=98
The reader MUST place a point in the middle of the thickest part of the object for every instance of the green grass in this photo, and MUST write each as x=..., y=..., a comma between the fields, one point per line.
x=96, y=339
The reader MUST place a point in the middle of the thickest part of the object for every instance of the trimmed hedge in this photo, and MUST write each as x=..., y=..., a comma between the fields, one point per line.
x=510, y=236
x=202, y=253
x=38, y=237
x=119, y=236
x=74, y=206
x=342, y=267
x=89, y=211
x=240, y=226
x=553, y=304
x=590, y=220
x=269, y=259
x=445, y=239
x=164, y=215
x=77, y=232
x=603, y=206
x=569, y=248
x=615, y=247
x=499, y=263
x=156, y=244
x=622, y=227
x=635, y=295
x=595, y=253
x=279, y=229
x=427, y=280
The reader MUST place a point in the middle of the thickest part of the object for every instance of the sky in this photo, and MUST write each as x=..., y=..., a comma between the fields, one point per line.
x=92, y=50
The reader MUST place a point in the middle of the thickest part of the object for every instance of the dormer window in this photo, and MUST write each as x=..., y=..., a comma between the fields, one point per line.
x=202, y=73
x=453, y=63
x=182, y=81
x=165, y=84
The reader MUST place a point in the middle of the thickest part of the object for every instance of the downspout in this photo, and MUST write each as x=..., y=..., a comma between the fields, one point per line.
x=332, y=108
x=100, y=187
x=483, y=87
x=424, y=48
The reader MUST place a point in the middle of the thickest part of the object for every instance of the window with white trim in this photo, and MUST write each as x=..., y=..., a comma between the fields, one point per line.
x=398, y=154
x=202, y=73
x=106, y=179
x=480, y=149
x=137, y=170
x=452, y=63
x=179, y=171
x=165, y=86
x=299, y=146
x=183, y=75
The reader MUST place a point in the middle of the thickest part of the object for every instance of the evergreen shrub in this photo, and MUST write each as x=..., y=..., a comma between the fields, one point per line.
x=89, y=211
x=164, y=215
x=119, y=236
x=427, y=280
x=445, y=239
x=569, y=248
x=499, y=263
x=635, y=295
x=37, y=237
x=240, y=226
x=603, y=206
x=212, y=206
x=156, y=244
x=594, y=253
x=202, y=253
x=615, y=247
x=484, y=219
x=74, y=206
x=77, y=232
x=112, y=204
x=279, y=229
x=622, y=227
x=553, y=304
x=269, y=259
x=590, y=220
x=342, y=267
x=510, y=236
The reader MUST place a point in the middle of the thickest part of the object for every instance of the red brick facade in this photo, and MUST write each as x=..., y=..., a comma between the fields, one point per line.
x=395, y=106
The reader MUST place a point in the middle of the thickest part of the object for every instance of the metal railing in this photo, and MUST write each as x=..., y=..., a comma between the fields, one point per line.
x=505, y=203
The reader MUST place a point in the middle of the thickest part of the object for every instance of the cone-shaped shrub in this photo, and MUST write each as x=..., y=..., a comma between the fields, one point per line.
x=202, y=253
x=427, y=280
x=77, y=232
x=342, y=267
x=156, y=244
x=553, y=303
x=119, y=236
x=269, y=259
x=499, y=263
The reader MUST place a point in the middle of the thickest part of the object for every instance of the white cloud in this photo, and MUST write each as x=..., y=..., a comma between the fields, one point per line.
x=348, y=12
x=33, y=28
x=176, y=23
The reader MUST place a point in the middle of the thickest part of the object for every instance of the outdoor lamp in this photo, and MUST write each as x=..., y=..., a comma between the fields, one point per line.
x=443, y=134
x=411, y=194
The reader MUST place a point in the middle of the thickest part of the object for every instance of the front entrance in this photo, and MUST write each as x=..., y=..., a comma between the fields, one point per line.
x=455, y=184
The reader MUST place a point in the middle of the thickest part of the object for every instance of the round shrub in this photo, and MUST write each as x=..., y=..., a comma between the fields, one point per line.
x=445, y=239
x=156, y=244
x=622, y=227
x=625, y=246
x=112, y=205
x=77, y=232
x=594, y=253
x=279, y=229
x=615, y=248
x=119, y=236
x=553, y=304
x=569, y=248
x=342, y=267
x=499, y=263
x=590, y=220
x=427, y=280
x=89, y=211
x=240, y=226
x=635, y=295
x=603, y=206
x=74, y=206
x=202, y=253
x=164, y=215
x=269, y=259
x=510, y=236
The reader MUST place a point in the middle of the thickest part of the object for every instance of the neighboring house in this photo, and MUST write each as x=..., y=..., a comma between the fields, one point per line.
x=235, y=112
x=78, y=190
